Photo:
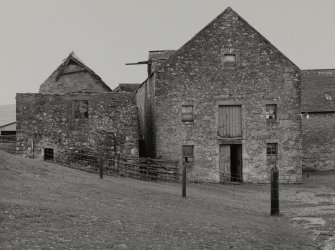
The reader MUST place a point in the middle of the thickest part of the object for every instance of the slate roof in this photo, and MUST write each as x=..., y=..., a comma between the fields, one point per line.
x=314, y=84
x=126, y=87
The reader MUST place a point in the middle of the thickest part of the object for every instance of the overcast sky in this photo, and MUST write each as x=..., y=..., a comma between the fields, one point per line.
x=36, y=35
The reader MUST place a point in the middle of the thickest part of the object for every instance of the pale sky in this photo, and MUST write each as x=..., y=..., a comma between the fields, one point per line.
x=36, y=35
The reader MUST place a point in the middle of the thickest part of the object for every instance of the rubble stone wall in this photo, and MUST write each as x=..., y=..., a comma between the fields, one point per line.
x=145, y=99
x=195, y=75
x=48, y=121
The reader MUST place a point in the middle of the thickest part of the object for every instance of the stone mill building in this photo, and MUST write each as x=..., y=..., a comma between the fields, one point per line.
x=75, y=111
x=226, y=104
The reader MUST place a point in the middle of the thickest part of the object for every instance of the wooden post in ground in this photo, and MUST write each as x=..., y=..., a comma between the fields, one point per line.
x=148, y=166
x=101, y=173
x=274, y=191
x=184, y=181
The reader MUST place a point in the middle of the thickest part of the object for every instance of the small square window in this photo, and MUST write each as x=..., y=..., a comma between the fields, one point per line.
x=271, y=151
x=80, y=109
x=229, y=61
x=187, y=113
x=271, y=111
x=328, y=96
x=188, y=154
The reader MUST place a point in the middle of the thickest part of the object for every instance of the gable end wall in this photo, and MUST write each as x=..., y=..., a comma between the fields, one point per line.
x=195, y=75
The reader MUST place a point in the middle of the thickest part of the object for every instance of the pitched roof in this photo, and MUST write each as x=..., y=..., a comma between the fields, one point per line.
x=227, y=11
x=74, y=58
x=314, y=85
x=126, y=87
x=73, y=72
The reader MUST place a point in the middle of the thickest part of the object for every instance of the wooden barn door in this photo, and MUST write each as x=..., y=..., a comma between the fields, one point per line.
x=230, y=122
x=224, y=163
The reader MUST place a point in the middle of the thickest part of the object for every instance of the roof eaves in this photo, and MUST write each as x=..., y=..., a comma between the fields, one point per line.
x=8, y=124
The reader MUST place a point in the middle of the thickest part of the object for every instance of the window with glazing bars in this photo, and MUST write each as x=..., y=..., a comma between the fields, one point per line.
x=272, y=151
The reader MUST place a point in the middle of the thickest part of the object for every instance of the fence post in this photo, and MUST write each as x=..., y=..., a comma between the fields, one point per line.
x=101, y=173
x=184, y=181
x=275, y=191
x=148, y=166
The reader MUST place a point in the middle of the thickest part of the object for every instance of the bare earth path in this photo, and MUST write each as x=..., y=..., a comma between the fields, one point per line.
x=46, y=206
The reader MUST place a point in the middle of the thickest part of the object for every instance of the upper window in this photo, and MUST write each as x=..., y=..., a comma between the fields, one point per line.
x=80, y=108
x=229, y=60
x=271, y=111
x=272, y=151
x=187, y=113
x=188, y=154
x=328, y=96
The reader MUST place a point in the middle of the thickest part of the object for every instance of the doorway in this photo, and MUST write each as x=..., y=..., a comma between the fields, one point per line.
x=231, y=163
x=48, y=154
x=236, y=162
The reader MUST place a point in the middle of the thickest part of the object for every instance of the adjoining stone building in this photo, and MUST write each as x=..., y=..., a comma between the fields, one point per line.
x=75, y=111
x=318, y=119
x=226, y=103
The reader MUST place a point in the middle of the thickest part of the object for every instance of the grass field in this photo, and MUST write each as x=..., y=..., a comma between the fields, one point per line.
x=47, y=206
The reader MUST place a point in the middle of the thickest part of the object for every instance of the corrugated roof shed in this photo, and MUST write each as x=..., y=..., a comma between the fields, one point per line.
x=314, y=85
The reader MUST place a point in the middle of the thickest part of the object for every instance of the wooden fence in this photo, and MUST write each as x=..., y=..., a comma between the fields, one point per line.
x=8, y=143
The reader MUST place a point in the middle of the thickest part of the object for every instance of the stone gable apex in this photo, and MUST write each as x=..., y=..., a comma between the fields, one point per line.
x=228, y=13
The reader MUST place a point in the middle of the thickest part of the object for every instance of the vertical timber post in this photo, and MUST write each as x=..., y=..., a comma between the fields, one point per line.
x=101, y=173
x=148, y=166
x=274, y=191
x=184, y=181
